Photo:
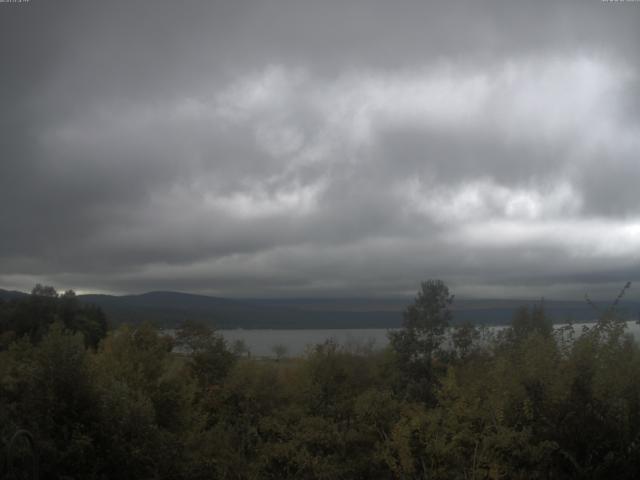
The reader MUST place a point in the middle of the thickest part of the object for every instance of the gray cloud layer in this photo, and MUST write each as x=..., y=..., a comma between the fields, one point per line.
x=320, y=148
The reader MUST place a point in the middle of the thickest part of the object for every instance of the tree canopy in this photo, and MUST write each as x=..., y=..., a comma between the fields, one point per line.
x=442, y=401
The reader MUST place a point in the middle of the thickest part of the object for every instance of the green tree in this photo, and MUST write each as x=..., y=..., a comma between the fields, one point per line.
x=425, y=323
x=33, y=315
x=209, y=357
x=48, y=389
x=148, y=405
x=46, y=291
x=530, y=320
x=463, y=338
x=280, y=351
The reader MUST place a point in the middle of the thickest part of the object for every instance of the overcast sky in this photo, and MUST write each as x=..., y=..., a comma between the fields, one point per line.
x=320, y=148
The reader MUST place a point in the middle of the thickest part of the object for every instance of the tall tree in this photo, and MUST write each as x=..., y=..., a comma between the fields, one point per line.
x=424, y=327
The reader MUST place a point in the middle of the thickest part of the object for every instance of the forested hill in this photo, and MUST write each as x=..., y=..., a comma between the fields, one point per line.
x=170, y=308
x=11, y=294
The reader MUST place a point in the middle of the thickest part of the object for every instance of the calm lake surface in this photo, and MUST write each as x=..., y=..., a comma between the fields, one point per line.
x=261, y=342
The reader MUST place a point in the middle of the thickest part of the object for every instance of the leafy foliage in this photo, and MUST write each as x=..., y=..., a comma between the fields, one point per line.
x=33, y=315
x=417, y=344
x=530, y=403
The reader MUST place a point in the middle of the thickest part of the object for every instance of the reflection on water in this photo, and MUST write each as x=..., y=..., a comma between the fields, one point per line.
x=261, y=342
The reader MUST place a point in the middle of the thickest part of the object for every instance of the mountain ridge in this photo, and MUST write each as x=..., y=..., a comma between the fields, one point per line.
x=170, y=308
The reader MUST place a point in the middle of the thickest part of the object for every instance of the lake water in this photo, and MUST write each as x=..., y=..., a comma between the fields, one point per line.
x=262, y=342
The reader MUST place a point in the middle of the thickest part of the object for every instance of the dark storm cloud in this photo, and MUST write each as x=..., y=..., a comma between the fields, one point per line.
x=287, y=147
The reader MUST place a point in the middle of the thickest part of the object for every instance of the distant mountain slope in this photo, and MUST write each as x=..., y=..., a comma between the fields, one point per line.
x=161, y=299
x=170, y=308
x=11, y=294
x=483, y=311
